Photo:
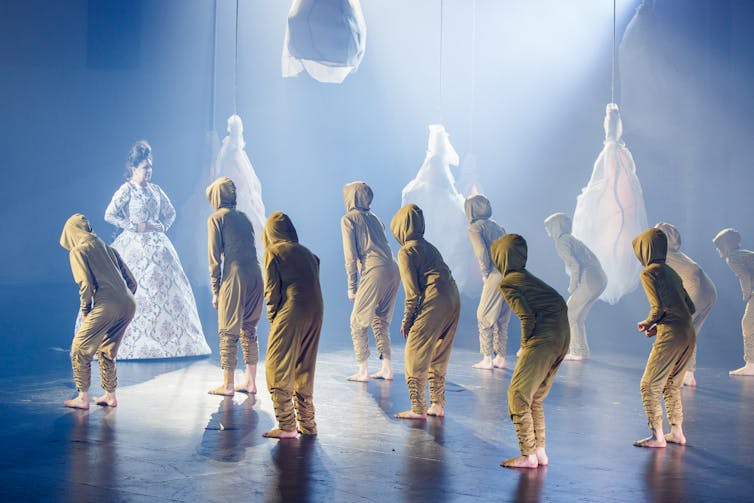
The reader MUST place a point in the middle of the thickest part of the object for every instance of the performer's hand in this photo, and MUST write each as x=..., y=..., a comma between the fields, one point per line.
x=404, y=331
x=641, y=326
x=214, y=300
x=141, y=227
x=351, y=295
x=652, y=330
x=155, y=227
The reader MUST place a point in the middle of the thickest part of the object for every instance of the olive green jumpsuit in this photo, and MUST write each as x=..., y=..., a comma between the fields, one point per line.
x=670, y=308
x=432, y=309
x=372, y=273
x=587, y=279
x=106, y=288
x=493, y=314
x=545, y=338
x=294, y=308
x=235, y=276
x=698, y=285
x=741, y=262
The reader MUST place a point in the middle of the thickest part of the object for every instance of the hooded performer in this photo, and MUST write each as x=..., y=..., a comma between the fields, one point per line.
x=741, y=262
x=373, y=278
x=587, y=280
x=698, y=285
x=544, y=342
x=236, y=282
x=106, y=288
x=431, y=314
x=670, y=310
x=493, y=313
x=294, y=308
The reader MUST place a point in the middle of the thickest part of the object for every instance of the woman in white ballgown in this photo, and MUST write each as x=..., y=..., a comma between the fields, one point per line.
x=610, y=211
x=166, y=324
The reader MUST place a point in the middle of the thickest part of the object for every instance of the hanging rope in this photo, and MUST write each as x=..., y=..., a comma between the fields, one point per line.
x=235, y=68
x=442, y=87
x=612, y=73
x=473, y=76
x=214, y=68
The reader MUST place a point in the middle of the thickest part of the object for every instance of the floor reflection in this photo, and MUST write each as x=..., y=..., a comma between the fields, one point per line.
x=530, y=482
x=92, y=460
x=663, y=474
x=231, y=430
x=423, y=468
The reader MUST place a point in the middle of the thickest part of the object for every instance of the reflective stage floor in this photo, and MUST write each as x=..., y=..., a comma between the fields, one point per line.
x=170, y=441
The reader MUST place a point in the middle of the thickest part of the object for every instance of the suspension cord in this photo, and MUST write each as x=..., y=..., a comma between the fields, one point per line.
x=612, y=72
x=235, y=67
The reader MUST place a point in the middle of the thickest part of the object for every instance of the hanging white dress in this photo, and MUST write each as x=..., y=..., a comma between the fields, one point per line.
x=434, y=191
x=327, y=38
x=166, y=323
x=233, y=162
x=610, y=211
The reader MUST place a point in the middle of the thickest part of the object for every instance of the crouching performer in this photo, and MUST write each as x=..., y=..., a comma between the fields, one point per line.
x=545, y=337
x=106, y=288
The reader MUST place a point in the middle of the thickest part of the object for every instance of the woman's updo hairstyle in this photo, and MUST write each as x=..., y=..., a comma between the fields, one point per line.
x=140, y=152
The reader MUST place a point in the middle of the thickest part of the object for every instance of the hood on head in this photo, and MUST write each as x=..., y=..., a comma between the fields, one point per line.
x=278, y=228
x=727, y=240
x=407, y=223
x=651, y=246
x=75, y=230
x=508, y=253
x=477, y=207
x=222, y=193
x=357, y=195
x=558, y=224
x=674, y=237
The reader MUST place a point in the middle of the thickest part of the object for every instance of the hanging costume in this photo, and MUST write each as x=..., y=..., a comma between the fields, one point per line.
x=233, y=162
x=698, y=285
x=106, y=286
x=432, y=309
x=434, y=191
x=493, y=313
x=670, y=308
x=373, y=275
x=544, y=339
x=166, y=323
x=741, y=262
x=294, y=308
x=610, y=211
x=238, y=285
x=587, y=279
x=327, y=38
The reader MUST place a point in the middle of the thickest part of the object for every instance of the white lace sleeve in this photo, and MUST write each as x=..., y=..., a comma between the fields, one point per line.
x=167, y=210
x=117, y=211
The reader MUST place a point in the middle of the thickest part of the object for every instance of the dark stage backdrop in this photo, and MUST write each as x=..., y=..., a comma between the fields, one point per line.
x=82, y=80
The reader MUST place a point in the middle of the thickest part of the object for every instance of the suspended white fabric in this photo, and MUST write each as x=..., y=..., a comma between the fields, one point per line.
x=327, y=38
x=468, y=183
x=610, y=211
x=233, y=162
x=434, y=191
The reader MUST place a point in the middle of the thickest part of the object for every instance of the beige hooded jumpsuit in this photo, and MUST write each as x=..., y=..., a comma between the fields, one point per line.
x=670, y=308
x=372, y=273
x=698, y=285
x=587, y=279
x=741, y=262
x=493, y=313
x=106, y=288
x=544, y=339
x=294, y=308
x=432, y=309
x=234, y=273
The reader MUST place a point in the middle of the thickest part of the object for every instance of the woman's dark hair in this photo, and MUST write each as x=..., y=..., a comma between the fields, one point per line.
x=140, y=152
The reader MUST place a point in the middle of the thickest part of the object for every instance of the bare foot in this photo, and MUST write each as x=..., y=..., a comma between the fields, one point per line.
x=359, y=377
x=307, y=430
x=499, y=362
x=485, y=364
x=542, y=458
x=77, y=403
x=436, y=410
x=689, y=379
x=746, y=370
x=651, y=442
x=522, y=461
x=410, y=414
x=249, y=388
x=278, y=433
x=573, y=357
x=222, y=390
x=675, y=438
x=386, y=374
x=107, y=400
